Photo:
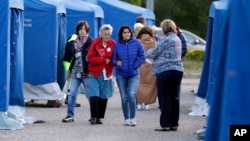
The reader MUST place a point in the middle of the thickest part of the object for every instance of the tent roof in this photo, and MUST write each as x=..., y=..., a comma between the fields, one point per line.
x=16, y=4
x=130, y=8
x=215, y=6
x=59, y=5
x=96, y=8
x=80, y=5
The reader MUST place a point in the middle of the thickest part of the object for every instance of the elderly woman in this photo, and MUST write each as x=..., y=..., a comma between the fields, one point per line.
x=100, y=73
x=168, y=68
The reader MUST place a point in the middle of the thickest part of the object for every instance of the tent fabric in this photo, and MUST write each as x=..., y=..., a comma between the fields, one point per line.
x=80, y=10
x=60, y=7
x=5, y=56
x=49, y=91
x=40, y=52
x=16, y=4
x=232, y=103
x=211, y=68
x=61, y=76
x=12, y=100
x=16, y=58
x=118, y=13
x=42, y=67
x=61, y=15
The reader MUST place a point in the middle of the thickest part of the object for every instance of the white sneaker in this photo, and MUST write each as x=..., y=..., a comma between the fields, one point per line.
x=132, y=122
x=139, y=107
x=147, y=108
x=127, y=122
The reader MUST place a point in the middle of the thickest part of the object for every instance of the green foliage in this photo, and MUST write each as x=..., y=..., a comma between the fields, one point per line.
x=193, y=54
x=191, y=15
x=192, y=66
x=135, y=2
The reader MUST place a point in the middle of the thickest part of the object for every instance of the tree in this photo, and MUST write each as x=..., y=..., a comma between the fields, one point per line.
x=188, y=14
x=135, y=2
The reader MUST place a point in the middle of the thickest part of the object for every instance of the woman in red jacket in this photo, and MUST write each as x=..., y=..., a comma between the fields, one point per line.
x=100, y=73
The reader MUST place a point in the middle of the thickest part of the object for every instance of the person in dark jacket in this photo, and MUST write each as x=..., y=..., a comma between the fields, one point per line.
x=183, y=43
x=128, y=56
x=78, y=68
x=67, y=58
x=142, y=20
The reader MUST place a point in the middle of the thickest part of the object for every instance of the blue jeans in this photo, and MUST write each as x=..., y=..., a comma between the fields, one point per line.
x=128, y=87
x=75, y=84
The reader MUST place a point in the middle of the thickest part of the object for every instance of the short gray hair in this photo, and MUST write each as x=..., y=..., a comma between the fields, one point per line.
x=138, y=25
x=105, y=27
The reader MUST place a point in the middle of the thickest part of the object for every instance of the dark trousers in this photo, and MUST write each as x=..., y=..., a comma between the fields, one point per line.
x=168, y=86
x=98, y=107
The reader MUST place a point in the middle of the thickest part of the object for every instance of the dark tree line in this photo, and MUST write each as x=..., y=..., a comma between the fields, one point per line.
x=191, y=15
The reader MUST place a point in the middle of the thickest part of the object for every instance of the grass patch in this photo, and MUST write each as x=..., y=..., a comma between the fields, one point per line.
x=192, y=66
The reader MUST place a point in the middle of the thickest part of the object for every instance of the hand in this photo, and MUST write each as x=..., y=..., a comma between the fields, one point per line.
x=68, y=76
x=107, y=61
x=119, y=63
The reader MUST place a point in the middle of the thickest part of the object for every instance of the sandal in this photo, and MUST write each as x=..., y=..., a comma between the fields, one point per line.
x=163, y=129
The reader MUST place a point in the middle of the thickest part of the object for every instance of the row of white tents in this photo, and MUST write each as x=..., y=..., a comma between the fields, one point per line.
x=32, y=40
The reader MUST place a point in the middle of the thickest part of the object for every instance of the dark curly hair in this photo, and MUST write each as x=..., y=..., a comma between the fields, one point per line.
x=80, y=24
x=145, y=30
x=122, y=28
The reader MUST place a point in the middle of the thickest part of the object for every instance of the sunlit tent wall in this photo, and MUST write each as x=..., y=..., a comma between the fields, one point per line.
x=214, y=51
x=229, y=103
x=118, y=13
x=80, y=10
x=44, y=37
x=11, y=65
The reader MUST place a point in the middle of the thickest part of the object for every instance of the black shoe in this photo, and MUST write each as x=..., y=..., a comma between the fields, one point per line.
x=76, y=105
x=98, y=121
x=68, y=119
x=95, y=121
